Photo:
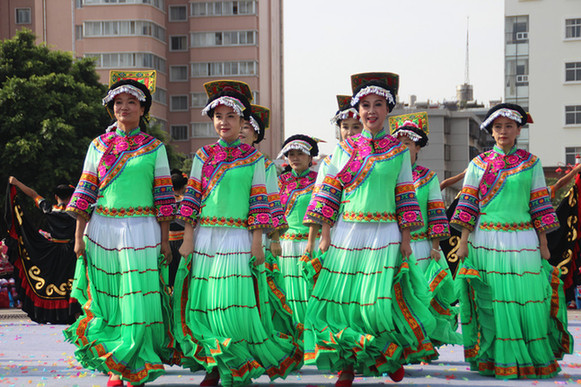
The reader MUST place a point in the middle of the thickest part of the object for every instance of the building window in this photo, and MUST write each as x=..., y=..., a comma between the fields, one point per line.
x=179, y=132
x=160, y=96
x=178, y=73
x=517, y=29
x=447, y=152
x=573, y=115
x=160, y=4
x=211, y=69
x=222, y=8
x=571, y=153
x=199, y=100
x=178, y=103
x=124, y=28
x=178, y=43
x=78, y=32
x=23, y=16
x=572, y=28
x=573, y=72
x=203, y=129
x=128, y=60
x=225, y=38
x=177, y=13
x=517, y=72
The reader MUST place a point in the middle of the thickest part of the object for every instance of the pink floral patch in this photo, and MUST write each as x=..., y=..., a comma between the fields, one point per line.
x=236, y=153
x=383, y=143
x=139, y=139
x=438, y=229
x=346, y=177
x=283, y=199
x=549, y=219
x=263, y=218
x=483, y=190
x=327, y=211
x=489, y=178
x=166, y=210
x=355, y=165
x=292, y=186
x=365, y=151
x=245, y=147
x=102, y=170
x=275, y=222
x=512, y=159
x=520, y=152
x=305, y=181
x=121, y=146
x=410, y=216
x=186, y=211
x=220, y=156
x=464, y=216
x=498, y=163
x=108, y=160
x=82, y=204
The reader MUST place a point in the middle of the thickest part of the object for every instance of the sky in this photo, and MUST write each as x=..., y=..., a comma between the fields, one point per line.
x=424, y=41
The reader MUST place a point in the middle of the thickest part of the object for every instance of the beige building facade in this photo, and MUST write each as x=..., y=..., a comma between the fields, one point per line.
x=187, y=42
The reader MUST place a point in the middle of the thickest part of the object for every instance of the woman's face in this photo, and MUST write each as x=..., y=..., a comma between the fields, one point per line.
x=227, y=123
x=504, y=132
x=298, y=160
x=247, y=134
x=412, y=146
x=127, y=110
x=350, y=127
x=373, y=111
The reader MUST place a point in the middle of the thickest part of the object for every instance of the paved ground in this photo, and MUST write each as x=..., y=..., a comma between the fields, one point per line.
x=36, y=355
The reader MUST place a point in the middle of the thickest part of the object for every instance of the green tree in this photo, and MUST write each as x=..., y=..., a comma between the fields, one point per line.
x=50, y=110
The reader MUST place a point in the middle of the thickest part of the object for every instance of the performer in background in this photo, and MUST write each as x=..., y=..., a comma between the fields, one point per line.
x=222, y=318
x=412, y=130
x=45, y=261
x=514, y=319
x=126, y=201
x=296, y=186
x=364, y=315
x=176, y=229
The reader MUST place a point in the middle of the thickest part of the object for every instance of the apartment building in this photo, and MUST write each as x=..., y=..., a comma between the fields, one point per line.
x=187, y=42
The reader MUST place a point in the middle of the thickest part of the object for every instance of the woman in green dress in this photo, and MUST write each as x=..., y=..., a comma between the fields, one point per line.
x=222, y=318
x=364, y=315
x=513, y=314
x=126, y=193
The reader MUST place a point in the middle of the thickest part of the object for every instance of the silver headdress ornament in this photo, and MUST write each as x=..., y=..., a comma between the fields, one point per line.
x=344, y=114
x=373, y=90
x=301, y=145
x=129, y=89
x=228, y=101
x=254, y=124
x=508, y=113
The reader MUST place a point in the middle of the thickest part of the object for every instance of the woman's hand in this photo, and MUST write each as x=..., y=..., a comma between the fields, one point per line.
x=79, y=247
x=79, y=232
x=313, y=231
x=544, y=246
x=166, y=252
x=275, y=248
x=462, y=251
x=256, y=249
x=435, y=251
x=325, y=241
x=187, y=246
x=406, y=247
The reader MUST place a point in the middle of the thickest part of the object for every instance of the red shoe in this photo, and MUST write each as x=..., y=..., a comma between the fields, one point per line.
x=398, y=375
x=114, y=383
x=348, y=381
x=212, y=379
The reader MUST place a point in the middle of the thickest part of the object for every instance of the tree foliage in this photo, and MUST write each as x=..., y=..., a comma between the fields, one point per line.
x=50, y=110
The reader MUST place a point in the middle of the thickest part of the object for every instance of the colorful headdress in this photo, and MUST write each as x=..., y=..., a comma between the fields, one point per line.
x=509, y=110
x=345, y=110
x=306, y=144
x=412, y=125
x=259, y=120
x=383, y=84
x=214, y=89
x=145, y=77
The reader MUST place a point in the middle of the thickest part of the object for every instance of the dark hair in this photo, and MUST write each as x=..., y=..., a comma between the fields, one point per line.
x=422, y=142
x=64, y=191
x=178, y=179
x=383, y=85
x=304, y=137
x=511, y=106
x=147, y=104
x=234, y=94
x=262, y=130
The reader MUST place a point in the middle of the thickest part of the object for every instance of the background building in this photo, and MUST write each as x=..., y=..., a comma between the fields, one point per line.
x=187, y=42
x=543, y=74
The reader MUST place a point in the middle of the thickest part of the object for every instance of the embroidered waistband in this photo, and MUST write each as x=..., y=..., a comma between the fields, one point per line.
x=229, y=222
x=369, y=216
x=122, y=212
x=506, y=226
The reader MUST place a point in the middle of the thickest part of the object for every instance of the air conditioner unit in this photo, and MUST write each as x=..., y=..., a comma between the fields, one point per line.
x=522, y=78
x=522, y=36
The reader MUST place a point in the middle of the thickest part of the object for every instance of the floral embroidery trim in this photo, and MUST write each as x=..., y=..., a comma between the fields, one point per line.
x=292, y=187
x=220, y=158
x=344, y=114
x=373, y=90
x=508, y=113
x=294, y=237
x=122, y=212
x=229, y=222
x=422, y=176
x=505, y=226
x=129, y=89
x=232, y=102
x=468, y=209
x=369, y=216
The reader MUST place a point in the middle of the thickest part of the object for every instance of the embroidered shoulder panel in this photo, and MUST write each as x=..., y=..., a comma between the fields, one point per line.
x=365, y=154
x=291, y=187
x=422, y=176
x=219, y=159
